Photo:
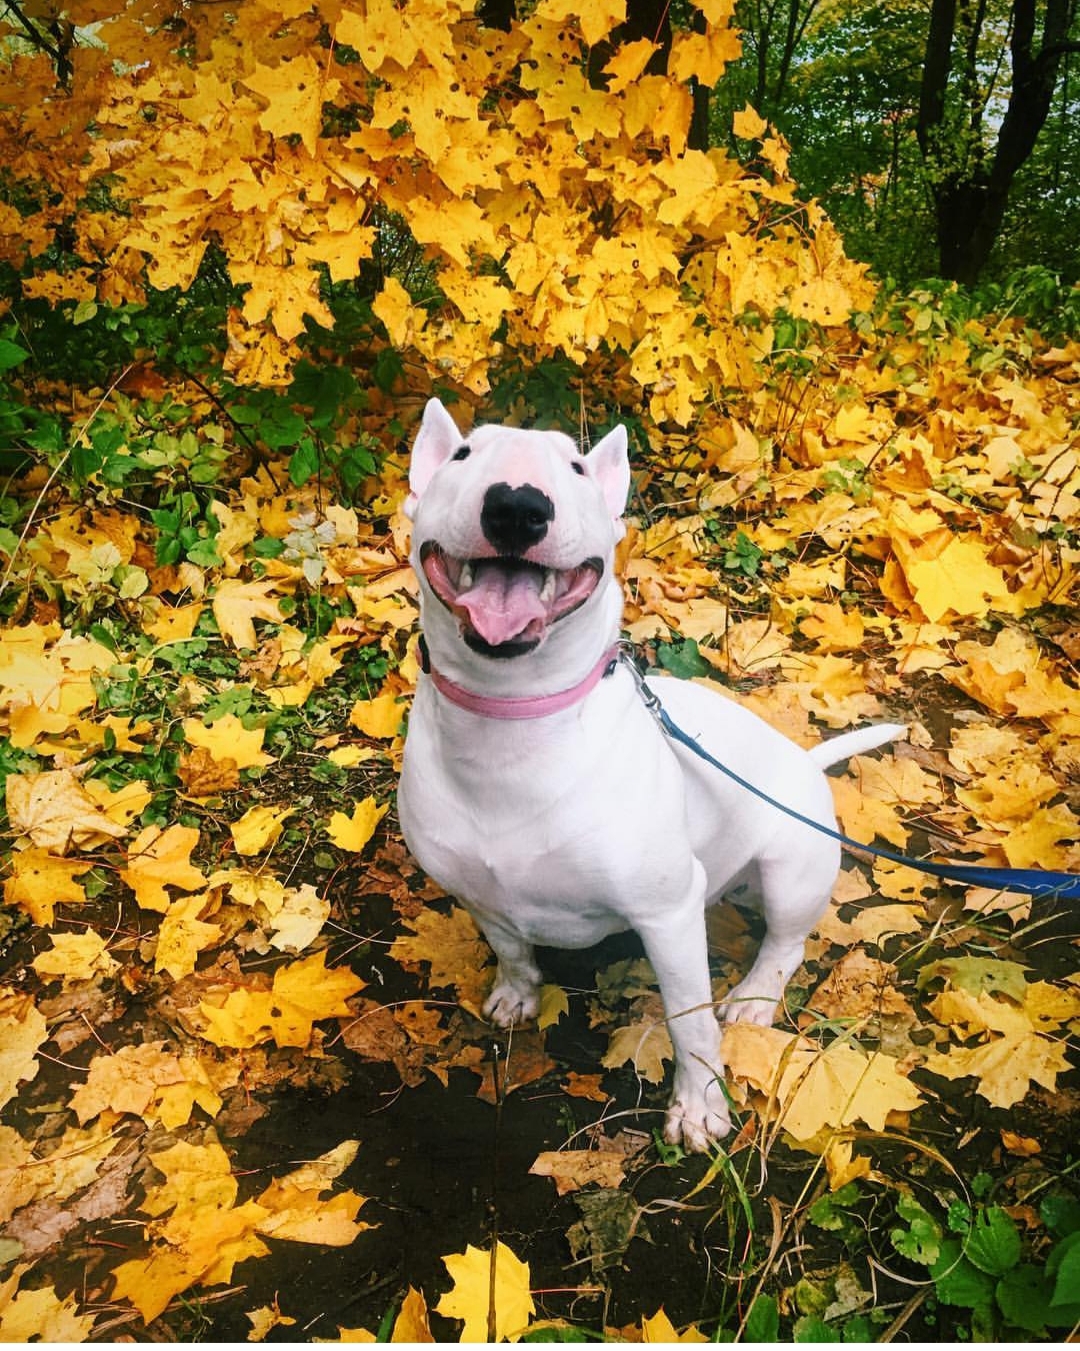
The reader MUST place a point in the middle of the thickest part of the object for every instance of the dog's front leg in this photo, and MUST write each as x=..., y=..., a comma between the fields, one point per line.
x=676, y=945
x=515, y=996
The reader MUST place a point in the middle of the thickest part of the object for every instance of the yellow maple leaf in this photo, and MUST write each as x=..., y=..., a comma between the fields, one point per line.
x=38, y=1315
x=379, y=717
x=173, y=623
x=146, y=1080
x=162, y=858
x=627, y=64
x=645, y=1045
x=75, y=957
x=197, y=1177
x=553, y=1006
x=258, y=828
x=1047, y=839
x=470, y=1297
x=22, y=1031
x=302, y=993
x=596, y=19
x=1004, y=1066
x=295, y=91
x=299, y=919
x=39, y=881
x=229, y=739
x=183, y=935
x=354, y=832
x=412, y=1324
x=264, y=1319
x=704, y=56
x=189, y=1254
x=55, y=812
x=958, y=580
x=749, y=124
x=123, y=805
x=237, y=604
x=818, y=1087
x=659, y=1328
x=458, y=956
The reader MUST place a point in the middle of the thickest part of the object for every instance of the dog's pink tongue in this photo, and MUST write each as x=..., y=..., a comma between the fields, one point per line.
x=502, y=603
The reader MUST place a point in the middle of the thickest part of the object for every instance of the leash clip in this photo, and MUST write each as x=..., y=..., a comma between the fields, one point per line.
x=648, y=698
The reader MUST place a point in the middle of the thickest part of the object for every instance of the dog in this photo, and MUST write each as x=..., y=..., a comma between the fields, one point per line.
x=537, y=787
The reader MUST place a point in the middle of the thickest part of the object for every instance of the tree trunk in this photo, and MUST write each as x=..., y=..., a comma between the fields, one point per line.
x=970, y=200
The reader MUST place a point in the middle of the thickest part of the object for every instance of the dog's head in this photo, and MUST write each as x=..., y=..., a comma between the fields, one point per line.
x=513, y=531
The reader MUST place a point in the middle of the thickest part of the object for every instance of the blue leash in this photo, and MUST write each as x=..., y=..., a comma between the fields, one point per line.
x=1033, y=881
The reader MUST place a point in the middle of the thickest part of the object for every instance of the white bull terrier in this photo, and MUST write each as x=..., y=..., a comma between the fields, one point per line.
x=537, y=787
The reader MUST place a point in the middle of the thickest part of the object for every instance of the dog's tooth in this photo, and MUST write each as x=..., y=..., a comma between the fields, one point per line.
x=547, y=591
x=465, y=577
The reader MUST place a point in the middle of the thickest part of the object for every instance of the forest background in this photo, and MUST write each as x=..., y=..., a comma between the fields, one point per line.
x=820, y=256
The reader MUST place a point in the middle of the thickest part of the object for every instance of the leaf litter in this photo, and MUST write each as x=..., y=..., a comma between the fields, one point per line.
x=200, y=970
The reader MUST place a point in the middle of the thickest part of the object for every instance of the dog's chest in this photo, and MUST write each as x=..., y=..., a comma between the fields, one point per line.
x=563, y=842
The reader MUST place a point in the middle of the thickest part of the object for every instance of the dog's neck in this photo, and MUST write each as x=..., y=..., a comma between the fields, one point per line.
x=517, y=707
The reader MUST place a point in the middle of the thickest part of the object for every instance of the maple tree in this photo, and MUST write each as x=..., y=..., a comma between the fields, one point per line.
x=847, y=503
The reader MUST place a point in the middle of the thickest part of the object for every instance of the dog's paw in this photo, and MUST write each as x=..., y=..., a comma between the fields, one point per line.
x=748, y=1003
x=698, y=1118
x=509, y=1006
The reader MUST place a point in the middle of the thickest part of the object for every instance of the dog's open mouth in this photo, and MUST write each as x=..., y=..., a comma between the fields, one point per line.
x=506, y=604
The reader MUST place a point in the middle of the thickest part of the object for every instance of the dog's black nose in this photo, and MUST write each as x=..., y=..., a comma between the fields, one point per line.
x=514, y=519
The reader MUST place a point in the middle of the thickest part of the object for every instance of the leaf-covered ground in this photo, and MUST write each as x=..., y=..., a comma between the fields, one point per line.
x=245, y=1089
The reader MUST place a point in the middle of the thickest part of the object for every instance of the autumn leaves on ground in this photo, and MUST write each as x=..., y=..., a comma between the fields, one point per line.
x=847, y=506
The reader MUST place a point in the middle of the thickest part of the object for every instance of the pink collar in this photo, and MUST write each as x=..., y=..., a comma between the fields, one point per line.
x=521, y=706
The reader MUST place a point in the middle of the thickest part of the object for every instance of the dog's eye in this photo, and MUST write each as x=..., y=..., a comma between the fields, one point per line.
x=577, y=467
x=462, y=453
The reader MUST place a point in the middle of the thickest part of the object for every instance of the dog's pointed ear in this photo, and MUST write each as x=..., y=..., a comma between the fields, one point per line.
x=609, y=464
x=435, y=442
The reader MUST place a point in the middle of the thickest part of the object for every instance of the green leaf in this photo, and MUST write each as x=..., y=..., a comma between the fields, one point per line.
x=1060, y=1214
x=1067, y=1282
x=1023, y=1295
x=994, y=1242
x=958, y=1281
x=204, y=553
x=268, y=547
x=11, y=354
x=763, y=1321
x=682, y=659
x=815, y=1329
x=303, y=463
x=921, y=1241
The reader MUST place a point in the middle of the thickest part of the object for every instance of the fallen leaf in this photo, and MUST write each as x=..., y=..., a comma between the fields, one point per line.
x=572, y=1169
x=158, y=859
x=22, y=1032
x=468, y=1298
x=303, y=992
x=40, y=881
x=354, y=832
x=258, y=829
x=236, y=604
x=379, y=717
x=817, y=1087
x=38, y=1315
x=75, y=957
x=54, y=811
x=148, y=1081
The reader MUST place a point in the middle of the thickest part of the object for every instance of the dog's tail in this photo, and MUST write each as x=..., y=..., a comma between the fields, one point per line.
x=855, y=743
